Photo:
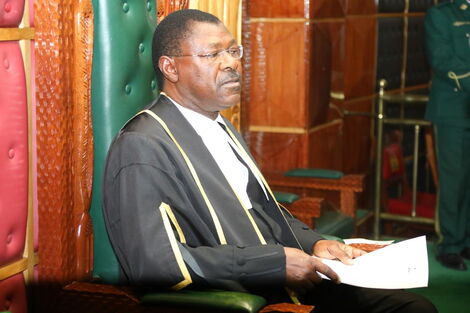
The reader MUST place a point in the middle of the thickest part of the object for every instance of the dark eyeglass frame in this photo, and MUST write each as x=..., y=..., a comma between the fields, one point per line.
x=215, y=55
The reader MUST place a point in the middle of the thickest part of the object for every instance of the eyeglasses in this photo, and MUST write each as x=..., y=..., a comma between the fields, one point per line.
x=234, y=52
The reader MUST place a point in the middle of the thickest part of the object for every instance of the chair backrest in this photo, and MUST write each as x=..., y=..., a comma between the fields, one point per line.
x=123, y=82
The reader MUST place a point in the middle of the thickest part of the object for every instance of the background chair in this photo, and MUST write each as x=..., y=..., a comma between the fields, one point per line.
x=397, y=196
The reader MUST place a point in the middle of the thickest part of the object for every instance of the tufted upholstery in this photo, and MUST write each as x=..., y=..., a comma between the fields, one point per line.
x=123, y=81
x=13, y=153
x=11, y=12
x=13, y=294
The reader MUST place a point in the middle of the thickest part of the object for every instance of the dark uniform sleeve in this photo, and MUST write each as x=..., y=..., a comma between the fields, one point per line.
x=153, y=226
x=305, y=235
x=448, y=49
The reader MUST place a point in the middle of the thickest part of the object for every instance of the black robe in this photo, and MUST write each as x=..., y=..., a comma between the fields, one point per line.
x=160, y=226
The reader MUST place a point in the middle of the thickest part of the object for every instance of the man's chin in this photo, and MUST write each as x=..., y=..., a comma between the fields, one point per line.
x=230, y=101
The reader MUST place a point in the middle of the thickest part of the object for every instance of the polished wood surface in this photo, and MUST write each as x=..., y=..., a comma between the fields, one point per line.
x=278, y=74
x=357, y=137
x=360, y=51
x=360, y=7
x=278, y=8
x=325, y=146
x=278, y=151
x=328, y=8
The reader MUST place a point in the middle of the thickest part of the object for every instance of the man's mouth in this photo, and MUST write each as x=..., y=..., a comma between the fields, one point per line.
x=231, y=82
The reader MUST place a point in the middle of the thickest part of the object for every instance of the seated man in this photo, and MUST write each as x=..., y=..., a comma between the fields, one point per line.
x=185, y=204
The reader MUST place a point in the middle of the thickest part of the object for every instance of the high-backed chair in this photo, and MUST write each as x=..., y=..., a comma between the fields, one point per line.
x=123, y=82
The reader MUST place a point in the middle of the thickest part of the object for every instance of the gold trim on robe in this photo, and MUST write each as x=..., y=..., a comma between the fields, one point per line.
x=164, y=209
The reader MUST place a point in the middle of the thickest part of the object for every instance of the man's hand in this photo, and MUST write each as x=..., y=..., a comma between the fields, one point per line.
x=332, y=249
x=301, y=270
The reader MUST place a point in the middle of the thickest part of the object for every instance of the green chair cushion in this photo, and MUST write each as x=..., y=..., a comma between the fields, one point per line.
x=314, y=172
x=361, y=213
x=285, y=197
x=335, y=223
x=212, y=300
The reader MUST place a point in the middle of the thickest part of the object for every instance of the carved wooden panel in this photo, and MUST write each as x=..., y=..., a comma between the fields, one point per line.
x=63, y=56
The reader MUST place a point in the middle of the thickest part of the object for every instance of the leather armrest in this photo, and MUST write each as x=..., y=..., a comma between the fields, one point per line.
x=214, y=300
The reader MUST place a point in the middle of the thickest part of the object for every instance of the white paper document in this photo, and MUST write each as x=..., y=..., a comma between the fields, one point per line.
x=396, y=266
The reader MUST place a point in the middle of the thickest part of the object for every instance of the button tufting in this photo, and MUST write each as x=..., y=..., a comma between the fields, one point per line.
x=11, y=153
x=141, y=48
x=153, y=84
x=149, y=6
x=128, y=89
x=9, y=238
x=125, y=7
x=7, y=7
x=6, y=63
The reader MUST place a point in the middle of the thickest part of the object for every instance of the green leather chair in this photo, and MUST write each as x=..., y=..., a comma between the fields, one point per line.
x=123, y=82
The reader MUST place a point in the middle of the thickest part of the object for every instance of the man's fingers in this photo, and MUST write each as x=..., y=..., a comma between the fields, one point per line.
x=357, y=252
x=327, y=271
x=344, y=254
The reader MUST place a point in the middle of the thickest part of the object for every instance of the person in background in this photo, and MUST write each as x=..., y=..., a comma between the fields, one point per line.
x=185, y=204
x=447, y=28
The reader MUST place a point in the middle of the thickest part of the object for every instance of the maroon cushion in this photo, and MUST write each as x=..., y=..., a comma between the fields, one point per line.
x=425, y=205
x=13, y=294
x=13, y=153
x=11, y=12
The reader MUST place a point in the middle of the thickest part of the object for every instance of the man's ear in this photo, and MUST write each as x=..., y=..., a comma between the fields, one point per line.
x=168, y=68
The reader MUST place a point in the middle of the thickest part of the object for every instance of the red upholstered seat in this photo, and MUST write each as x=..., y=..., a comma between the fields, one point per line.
x=13, y=153
x=393, y=172
x=13, y=294
x=425, y=205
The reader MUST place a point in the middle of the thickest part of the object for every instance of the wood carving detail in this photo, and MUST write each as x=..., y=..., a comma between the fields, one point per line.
x=64, y=138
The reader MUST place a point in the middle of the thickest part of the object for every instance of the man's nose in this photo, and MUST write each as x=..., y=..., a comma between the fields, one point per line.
x=227, y=61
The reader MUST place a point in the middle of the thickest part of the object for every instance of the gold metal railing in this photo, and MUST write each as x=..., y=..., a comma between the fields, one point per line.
x=382, y=120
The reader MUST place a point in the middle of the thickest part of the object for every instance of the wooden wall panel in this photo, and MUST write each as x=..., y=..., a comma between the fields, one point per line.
x=336, y=31
x=278, y=8
x=327, y=8
x=319, y=73
x=325, y=146
x=357, y=137
x=360, y=7
x=279, y=63
x=360, y=51
x=348, y=46
x=278, y=151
